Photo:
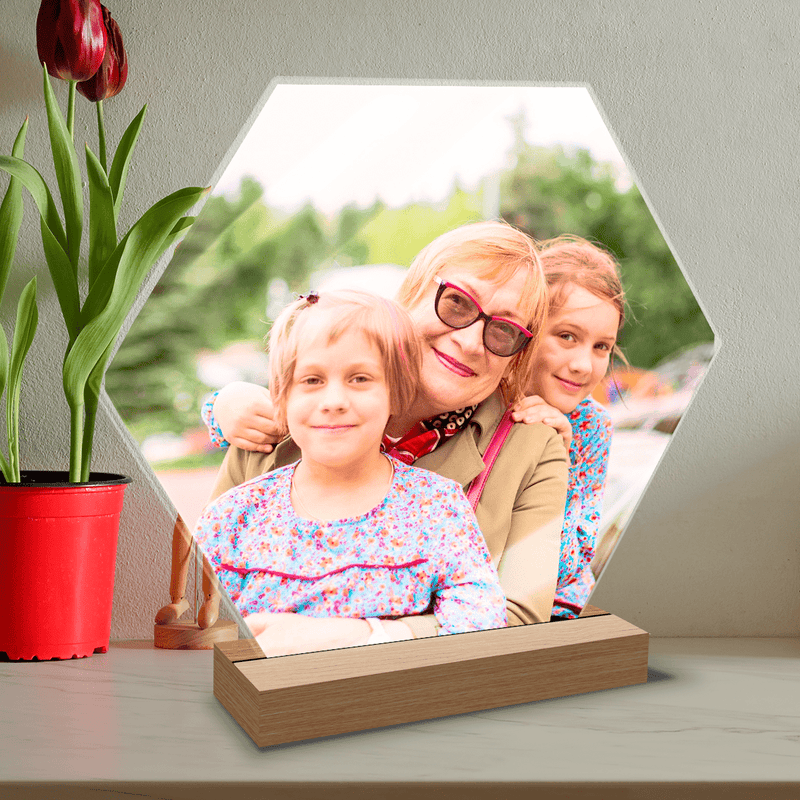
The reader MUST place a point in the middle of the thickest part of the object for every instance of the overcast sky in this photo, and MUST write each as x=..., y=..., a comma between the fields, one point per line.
x=335, y=145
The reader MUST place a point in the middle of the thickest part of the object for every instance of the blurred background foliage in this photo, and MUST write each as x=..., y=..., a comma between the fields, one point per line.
x=216, y=290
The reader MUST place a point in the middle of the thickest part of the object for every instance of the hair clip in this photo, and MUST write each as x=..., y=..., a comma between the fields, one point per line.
x=310, y=298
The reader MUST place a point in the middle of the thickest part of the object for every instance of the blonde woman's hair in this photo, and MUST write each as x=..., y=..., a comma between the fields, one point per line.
x=493, y=251
x=383, y=323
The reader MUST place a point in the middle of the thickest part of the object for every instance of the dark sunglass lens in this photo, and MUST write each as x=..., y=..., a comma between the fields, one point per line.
x=503, y=339
x=455, y=308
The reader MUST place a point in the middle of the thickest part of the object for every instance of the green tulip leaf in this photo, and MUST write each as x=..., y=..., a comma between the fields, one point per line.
x=102, y=227
x=30, y=178
x=122, y=159
x=24, y=331
x=64, y=281
x=125, y=270
x=103, y=285
x=65, y=161
x=54, y=240
x=177, y=232
x=140, y=249
x=11, y=216
x=10, y=221
x=101, y=290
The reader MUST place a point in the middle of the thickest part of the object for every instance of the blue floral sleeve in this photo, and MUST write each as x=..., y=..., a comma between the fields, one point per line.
x=595, y=469
x=214, y=431
x=591, y=442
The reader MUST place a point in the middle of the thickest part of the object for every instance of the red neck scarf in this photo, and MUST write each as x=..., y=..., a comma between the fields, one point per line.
x=427, y=435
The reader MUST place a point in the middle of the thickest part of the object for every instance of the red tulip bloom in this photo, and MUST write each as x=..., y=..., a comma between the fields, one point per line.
x=113, y=72
x=71, y=38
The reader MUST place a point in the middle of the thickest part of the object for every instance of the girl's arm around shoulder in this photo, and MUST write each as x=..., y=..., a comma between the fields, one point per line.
x=242, y=414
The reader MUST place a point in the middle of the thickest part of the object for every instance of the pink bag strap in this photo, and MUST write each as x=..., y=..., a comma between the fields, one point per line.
x=489, y=457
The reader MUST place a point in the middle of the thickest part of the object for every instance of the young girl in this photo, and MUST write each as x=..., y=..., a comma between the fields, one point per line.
x=349, y=531
x=579, y=339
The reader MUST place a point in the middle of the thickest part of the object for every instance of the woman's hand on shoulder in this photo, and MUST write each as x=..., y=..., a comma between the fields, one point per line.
x=533, y=409
x=244, y=413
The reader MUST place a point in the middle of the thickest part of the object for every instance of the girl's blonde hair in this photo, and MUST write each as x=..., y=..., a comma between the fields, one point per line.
x=572, y=261
x=493, y=251
x=382, y=321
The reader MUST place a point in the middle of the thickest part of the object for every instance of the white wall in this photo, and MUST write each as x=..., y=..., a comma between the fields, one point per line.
x=704, y=103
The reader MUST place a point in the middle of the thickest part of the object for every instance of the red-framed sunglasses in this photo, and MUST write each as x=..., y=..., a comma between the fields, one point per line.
x=459, y=309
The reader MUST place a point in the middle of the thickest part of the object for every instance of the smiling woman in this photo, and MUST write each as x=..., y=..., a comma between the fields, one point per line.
x=458, y=364
x=464, y=395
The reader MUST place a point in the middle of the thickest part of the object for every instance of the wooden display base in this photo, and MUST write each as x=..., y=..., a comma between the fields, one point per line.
x=289, y=698
x=190, y=636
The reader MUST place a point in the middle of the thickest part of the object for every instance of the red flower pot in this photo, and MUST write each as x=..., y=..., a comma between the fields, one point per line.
x=58, y=549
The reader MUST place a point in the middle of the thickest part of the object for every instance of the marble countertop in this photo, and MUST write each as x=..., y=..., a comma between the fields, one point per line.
x=719, y=711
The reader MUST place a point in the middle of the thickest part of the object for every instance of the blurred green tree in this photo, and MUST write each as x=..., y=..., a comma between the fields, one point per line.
x=550, y=192
x=216, y=289
x=396, y=235
x=213, y=292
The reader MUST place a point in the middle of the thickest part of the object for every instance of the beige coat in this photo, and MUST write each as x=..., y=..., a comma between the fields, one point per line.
x=520, y=512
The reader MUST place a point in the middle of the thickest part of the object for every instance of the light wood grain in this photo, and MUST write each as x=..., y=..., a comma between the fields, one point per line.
x=592, y=611
x=190, y=636
x=285, y=699
x=247, y=649
x=241, y=650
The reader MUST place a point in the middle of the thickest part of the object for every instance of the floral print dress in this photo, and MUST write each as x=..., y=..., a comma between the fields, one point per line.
x=591, y=440
x=419, y=550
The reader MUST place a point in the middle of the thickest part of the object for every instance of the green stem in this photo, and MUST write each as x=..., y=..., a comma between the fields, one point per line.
x=101, y=135
x=10, y=436
x=75, y=442
x=12, y=428
x=71, y=110
x=88, y=439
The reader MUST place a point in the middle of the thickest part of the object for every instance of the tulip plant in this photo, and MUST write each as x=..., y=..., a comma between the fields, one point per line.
x=80, y=43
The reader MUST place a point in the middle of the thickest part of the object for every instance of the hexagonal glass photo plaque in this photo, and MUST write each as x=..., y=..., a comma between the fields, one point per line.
x=499, y=218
